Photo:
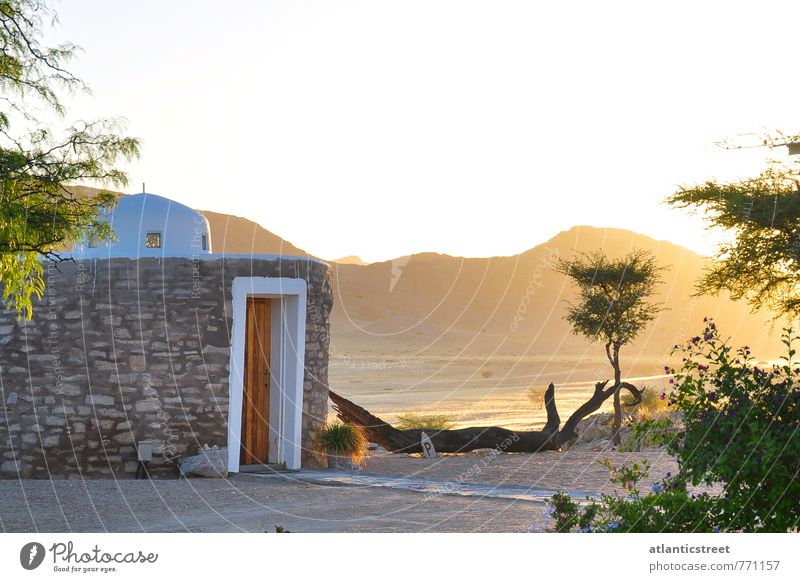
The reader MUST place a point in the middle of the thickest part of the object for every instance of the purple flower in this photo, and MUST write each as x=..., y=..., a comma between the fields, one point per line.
x=707, y=336
x=550, y=510
x=663, y=396
x=586, y=530
x=613, y=525
x=712, y=396
x=702, y=368
x=715, y=529
x=656, y=488
x=671, y=381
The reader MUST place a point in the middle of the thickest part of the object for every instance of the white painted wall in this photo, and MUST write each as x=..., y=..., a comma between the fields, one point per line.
x=182, y=230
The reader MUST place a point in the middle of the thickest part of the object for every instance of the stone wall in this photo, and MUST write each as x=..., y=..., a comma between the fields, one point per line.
x=123, y=350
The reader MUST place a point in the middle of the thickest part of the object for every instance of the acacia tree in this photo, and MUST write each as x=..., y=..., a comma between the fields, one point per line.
x=39, y=212
x=761, y=264
x=612, y=305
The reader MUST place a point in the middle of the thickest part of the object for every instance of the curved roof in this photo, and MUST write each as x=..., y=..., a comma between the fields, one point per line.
x=147, y=225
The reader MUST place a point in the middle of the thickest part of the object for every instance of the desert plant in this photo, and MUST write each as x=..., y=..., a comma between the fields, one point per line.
x=536, y=396
x=339, y=439
x=424, y=422
x=613, y=305
x=649, y=432
x=667, y=507
x=740, y=430
x=651, y=400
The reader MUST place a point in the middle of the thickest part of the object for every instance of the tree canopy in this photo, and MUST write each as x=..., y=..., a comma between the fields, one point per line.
x=762, y=262
x=612, y=304
x=39, y=212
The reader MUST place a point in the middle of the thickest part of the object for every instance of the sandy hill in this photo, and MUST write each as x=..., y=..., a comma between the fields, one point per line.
x=351, y=260
x=440, y=299
x=237, y=235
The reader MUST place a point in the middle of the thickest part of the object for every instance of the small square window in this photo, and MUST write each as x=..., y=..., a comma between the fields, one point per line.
x=205, y=242
x=153, y=240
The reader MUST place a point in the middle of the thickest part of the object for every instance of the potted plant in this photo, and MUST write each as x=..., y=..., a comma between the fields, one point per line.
x=343, y=445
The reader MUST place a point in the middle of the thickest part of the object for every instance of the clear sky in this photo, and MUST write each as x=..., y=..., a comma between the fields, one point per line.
x=470, y=128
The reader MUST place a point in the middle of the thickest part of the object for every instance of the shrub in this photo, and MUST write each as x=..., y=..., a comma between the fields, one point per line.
x=344, y=440
x=649, y=432
x=653, y=404
x=667, y=507
x=424, y=422
x=536, y=396
x=740, y=430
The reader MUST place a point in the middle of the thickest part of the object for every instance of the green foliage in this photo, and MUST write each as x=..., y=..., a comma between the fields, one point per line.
x=741, y=430
x=39, y=213
x=649, y=432
x=612, y=304
x=424, y=422
x=343, y=439
x=668, y=507
x=762, y=263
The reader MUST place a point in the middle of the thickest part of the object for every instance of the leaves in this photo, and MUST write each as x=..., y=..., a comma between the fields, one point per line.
x=762, y=264
x=40, y=214
x=612, y=304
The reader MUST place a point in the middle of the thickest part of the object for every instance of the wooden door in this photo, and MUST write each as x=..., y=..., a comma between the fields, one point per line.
x=255, y=398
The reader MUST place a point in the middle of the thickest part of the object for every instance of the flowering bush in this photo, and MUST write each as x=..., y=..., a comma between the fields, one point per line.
x=667, y=507
x=740, y=430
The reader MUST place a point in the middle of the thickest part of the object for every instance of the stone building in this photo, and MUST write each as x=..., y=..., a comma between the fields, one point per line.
x=153, y=338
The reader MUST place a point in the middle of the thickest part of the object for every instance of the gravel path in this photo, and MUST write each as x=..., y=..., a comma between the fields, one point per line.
x=256, y=504
x=247, y=503
x=579, y=470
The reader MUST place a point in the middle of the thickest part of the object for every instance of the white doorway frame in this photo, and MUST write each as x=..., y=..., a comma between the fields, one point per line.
x=287, y=366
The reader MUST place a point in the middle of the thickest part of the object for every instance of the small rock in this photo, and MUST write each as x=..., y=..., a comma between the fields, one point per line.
x=209, y=463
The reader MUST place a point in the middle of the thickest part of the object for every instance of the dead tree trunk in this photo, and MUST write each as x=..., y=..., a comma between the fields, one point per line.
x=467, y=439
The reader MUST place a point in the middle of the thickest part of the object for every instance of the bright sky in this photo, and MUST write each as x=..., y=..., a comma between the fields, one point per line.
x=470, y=128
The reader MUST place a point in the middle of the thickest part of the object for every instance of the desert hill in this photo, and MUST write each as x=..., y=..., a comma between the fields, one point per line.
x=521, y=298
x=236, y=235
x=351, y=260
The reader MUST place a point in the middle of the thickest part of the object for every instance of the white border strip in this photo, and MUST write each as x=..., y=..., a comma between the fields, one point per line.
x=291, y=336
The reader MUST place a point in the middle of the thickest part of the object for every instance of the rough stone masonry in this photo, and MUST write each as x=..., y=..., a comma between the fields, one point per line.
x=122, y=350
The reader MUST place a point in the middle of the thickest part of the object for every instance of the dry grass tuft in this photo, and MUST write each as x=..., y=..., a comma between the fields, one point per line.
x=424, y=422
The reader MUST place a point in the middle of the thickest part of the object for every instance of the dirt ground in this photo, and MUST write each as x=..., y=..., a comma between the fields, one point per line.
x=256, y=504
x=247, y=503
x=581, y=470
